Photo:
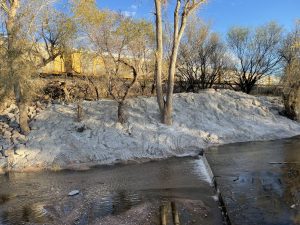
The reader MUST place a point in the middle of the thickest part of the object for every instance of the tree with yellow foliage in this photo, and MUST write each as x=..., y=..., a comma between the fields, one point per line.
x=124, y=44
x=27, y=37
x=291, y=79
x=14, y=78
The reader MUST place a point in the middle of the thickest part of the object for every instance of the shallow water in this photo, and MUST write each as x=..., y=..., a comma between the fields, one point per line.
x=259, y=181
x=109, y=192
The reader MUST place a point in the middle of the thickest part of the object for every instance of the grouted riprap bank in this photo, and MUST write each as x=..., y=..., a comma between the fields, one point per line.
x=201, y=120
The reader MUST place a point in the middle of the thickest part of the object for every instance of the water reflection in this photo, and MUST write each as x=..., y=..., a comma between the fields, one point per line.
x=27, y=214
x=4, y=198
x=105, y=192
x=260, y=180
x=66, y=210
x=291, y=181
x=114, y=204
x=169, y=213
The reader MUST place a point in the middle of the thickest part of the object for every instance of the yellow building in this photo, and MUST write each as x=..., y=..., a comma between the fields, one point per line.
x=67, y=64
x=81, y=63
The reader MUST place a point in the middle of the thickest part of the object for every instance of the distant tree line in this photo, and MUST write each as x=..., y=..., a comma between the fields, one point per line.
x=241, y=61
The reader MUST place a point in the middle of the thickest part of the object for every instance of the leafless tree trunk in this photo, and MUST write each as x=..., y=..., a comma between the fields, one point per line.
x=23, y=109
x=121, y=102
x=159, y=55
x=79, y=111
x=181, y=13
x=177, y=35
x=121, y=115
x=94, y=86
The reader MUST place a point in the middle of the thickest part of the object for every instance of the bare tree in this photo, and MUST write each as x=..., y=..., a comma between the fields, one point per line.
x=291, y=79
x=202, y=58
x=182, y=11
x=255, y=54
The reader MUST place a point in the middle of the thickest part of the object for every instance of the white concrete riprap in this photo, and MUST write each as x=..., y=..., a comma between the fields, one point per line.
x=200, y=120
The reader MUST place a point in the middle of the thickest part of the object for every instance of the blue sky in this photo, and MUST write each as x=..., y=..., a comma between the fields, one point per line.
x=222, y=14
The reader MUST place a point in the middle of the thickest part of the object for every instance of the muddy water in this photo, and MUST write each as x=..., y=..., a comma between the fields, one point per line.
x=124, y=194
x=259, y=181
